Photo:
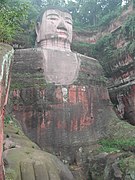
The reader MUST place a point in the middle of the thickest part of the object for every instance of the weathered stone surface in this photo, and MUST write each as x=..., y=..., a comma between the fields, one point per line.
x=27, y=171
x=127, y=166
x=6, y=55
x=118, y=161
x=114, y=166
x=60, y=118
x=121, y=70
x=25, y=161
x=123, y=98
x=41, y=171
x=122, y=87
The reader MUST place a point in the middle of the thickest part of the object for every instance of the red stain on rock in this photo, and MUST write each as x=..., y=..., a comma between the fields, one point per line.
x=74, y=125
x=1, y=136
x=75, y=95
x=122, y=87
x=16, y=93
x=43, y=126
x=58, y=94
x=61, y=125
x=4, y=90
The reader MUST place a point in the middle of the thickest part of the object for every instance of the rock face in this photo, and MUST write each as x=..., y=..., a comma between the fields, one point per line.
x=6, y=54
x=25, y=161
x=107, y=166
x=122, y=83
x=123, y=99
x=117, y=52
x=60, y=118
x=117, y=57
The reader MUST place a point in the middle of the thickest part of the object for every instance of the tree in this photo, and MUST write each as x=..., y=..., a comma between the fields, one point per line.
x=19, y=16
x=12, y=13
x=53, y=3
x=93, y=12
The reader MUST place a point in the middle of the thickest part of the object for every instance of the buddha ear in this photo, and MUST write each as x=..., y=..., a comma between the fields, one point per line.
x=37, y=28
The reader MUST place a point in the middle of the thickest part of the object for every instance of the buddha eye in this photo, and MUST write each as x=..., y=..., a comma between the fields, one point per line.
x=69, y=22
x=53, y=18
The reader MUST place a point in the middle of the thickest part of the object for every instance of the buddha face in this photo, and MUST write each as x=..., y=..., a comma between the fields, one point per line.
x=55, y=24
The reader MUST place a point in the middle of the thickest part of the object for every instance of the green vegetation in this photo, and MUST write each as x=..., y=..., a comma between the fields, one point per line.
x=18, y=17
x=116, y=145
x=7, y=119
x=128, y=29
x=10, y=174
x=93, y=13
x=29, y=80
x=83, y=48
x=90, y=14
x=127, y=164
x=106, y=50
x=11, y=16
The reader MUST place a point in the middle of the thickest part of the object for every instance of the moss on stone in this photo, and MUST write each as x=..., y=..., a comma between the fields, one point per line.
x=116, y=145
x=120, y=129
x=4, y=48
x=127, y=166
x=10, y=174
x=26, y=161
x=16, y=135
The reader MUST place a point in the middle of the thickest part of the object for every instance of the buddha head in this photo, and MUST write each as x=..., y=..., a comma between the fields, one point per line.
x=54, y=25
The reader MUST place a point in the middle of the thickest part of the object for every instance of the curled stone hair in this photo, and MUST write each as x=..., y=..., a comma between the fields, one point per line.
x=39, y=19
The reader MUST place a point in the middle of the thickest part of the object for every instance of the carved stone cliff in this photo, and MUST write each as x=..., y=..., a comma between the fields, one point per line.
x=115, y=48
x=118, y=59
x=6, y=56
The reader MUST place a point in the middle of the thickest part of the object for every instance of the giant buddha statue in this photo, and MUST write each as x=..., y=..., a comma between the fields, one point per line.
x=61, y=102
x=54, y=36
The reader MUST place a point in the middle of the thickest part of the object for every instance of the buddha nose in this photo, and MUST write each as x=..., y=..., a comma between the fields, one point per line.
x=62, y=26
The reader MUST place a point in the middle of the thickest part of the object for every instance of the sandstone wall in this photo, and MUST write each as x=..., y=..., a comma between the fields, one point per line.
x=6, y=55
